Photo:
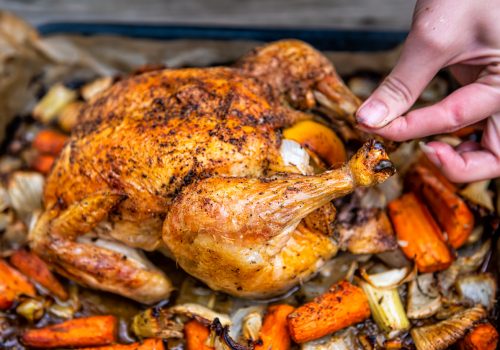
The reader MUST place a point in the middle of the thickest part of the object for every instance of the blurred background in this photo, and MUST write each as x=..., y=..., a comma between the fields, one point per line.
x=350, y=14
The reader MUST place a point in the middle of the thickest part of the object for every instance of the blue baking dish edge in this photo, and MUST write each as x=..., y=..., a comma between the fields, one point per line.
x=322, y=39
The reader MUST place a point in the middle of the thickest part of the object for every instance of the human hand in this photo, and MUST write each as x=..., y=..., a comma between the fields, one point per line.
x=462, y=35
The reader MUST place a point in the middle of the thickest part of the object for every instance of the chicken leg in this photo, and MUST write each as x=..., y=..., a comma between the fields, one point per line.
x=111, y=266
x=250, y=226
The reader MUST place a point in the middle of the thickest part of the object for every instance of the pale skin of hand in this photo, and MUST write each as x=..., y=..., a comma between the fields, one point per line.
x=464, y=36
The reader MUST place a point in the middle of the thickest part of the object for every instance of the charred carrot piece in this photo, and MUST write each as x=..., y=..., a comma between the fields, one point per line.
x=482, y=337
x=80, y=332
x=274, y=333
x=49, y=141
x=343, y=305
x=12, y=284
x=426, y=163
x=196, y=336
x=148, y=344
x=419, y=235
x=466, y=131
x=450, y=211
x=43, y=163
x=37, y=270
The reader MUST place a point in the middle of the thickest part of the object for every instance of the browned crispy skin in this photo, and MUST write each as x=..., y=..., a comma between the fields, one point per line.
x=154, y=147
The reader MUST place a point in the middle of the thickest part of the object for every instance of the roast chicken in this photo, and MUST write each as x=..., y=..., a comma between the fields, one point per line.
x=191, y=162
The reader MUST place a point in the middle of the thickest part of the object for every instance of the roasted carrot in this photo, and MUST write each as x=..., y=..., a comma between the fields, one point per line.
x=37, y=270
x=449, y=210
x=79, y=332
x=425, y=162
x=49, y=142
x=196, y=336
x=343, y=305
x=482, y=337
x=418, y=234
x=43, y=163
x=148, y=344
x=12, y=284
x=274, y=333
x=466, y=130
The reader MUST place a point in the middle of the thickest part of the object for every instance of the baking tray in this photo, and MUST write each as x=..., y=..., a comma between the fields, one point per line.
x=322, y=39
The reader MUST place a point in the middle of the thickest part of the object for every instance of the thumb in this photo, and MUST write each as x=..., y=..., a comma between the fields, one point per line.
x=418, y=64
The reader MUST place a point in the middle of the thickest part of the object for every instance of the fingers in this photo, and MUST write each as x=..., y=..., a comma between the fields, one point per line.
x=403, y=85
x=469, y=162
x=463, y=107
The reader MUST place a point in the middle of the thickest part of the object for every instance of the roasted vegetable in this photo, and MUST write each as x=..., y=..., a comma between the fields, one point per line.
x=469, y=260
x=423, y=297
x=156, y=322
x=12, y=285
x=441, y=335
x=53, y=103
x=370, y=233
x=95, y=87
x=31, y=309
x=38, y=271
x=477, y=289
x=87, y=331
x=68, y=117
x=252, y=324
x=343, y=305
x=483, y=337
x=148, y=344
x=42, y=163
x=319, y=139
x=274, y=333
x=386, y=308
x=196, y=336
x=342, y=340
x=49, y=141
x=449, y=209
x=418, y=234
x=477, y=192
x=426, y=163
x=194, y=310
x=25, y=191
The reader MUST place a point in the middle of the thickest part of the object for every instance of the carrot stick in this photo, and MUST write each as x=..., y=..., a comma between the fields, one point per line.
x=465, y=131
x=450, y=211
x=148, y=344
x=343, y=305
x=87, y=331
x=12, y=284
x=482, y=337
x=37, y=270
x=274, y=333
x=419, y=235
x=425, y=162
x=43, y=163
x=196, y=336
x=49, y=141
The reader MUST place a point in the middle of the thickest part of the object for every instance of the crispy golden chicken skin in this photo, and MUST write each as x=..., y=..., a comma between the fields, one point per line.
x=185, y=161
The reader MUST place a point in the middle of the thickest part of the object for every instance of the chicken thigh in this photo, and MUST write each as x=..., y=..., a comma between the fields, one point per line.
x=189, y=162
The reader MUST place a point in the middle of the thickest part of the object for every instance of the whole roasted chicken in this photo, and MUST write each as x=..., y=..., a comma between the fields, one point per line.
x=191, y=162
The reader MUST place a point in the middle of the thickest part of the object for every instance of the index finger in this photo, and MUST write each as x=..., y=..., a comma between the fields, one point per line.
x=463, y=107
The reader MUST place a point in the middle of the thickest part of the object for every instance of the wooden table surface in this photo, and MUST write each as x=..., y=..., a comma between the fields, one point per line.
x=366, y=14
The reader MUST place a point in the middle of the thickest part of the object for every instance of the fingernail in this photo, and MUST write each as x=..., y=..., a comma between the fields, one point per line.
x=430, y=153
x=372, y=113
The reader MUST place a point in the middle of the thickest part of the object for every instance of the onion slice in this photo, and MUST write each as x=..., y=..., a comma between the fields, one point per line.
x=389, y=279
x=423, y=297
x=441, y=335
